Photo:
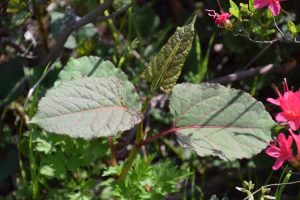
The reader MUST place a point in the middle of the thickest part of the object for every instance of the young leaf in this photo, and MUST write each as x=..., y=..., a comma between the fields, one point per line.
x=251, y=5
x=234, y=9
x=292, y=27
x=215, y=120
x=86, y=108
x=92, y=66
x=165, y=67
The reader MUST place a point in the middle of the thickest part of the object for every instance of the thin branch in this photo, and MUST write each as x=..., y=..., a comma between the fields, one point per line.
x=243, y=74
x=278, y=29
x=113, y=159
x=38, y=18
x=256, y=41
x=273, y=185
x=66, y=32
x=284, y=37
x=18, y=47
x=114, y=14
x=157, y=136
x=55, y=52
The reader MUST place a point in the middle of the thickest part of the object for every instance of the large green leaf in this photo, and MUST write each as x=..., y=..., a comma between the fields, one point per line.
x=92, y=66
x=87, y=108
x=215, y=120
x=164, y=68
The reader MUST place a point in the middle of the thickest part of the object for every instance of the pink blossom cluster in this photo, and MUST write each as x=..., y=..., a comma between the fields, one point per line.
x=222, y=20
x=281, y=148
x=273, y=5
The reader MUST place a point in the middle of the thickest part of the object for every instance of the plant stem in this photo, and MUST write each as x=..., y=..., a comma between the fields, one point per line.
x=139, y=137
x=115, y=33
x=35, y=183
x=113, y=160
x=219, y=4
x=32, y=161
x=22, y=169
x=155, y=137
x=37, y=14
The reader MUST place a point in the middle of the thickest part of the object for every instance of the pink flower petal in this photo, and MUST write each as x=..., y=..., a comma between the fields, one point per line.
x=281, y=117
x=297, y=140
x=273, y=101
x=279, y=162
x=260, y=3
x=275, y=8
x=294, y=124
x=281, y=149
x=273, y=151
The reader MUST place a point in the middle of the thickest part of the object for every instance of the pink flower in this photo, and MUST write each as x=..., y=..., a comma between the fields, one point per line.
x=281, y=149
x=221, y=20
x=273, y=5
x=297, y=140
x=290, y=105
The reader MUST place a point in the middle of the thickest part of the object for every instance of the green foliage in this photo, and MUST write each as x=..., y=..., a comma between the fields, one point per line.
x=92, y=66
x=234, y=9
x=285, y=177
x=248, y=188
x=69, y=163
x=62, y=153
x=294, y=29
x=215, y=120
x=202, y=61
x=146, y=181
x=93, y=97
x=165, y=68
x=87, y=108
x=251, y=5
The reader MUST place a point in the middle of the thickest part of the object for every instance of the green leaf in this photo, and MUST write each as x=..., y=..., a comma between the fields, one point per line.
x=43, y=146
x=204, y=64
x=215, y=120
x=292, y=27
x=164, y=68
x=54, y=166
x=234, y=9
x=87, y=108
x=245, y=8
x=92, y=66
x=251, y=5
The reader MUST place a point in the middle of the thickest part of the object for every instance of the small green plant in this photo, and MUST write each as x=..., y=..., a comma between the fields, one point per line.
x=105, y=99
x=92, y=99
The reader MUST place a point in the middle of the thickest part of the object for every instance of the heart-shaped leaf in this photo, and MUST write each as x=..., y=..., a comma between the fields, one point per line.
x=87, y=108
x=215, y=120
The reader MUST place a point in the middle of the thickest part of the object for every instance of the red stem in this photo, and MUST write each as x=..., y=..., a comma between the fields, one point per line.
x=113, y=160
x=42, y=29
x=174, y=129
x=157, y=136
x=219, y=4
